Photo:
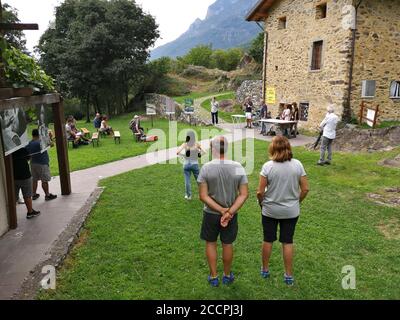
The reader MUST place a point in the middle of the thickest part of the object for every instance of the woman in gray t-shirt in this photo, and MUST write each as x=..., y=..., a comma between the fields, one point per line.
x=283, y=186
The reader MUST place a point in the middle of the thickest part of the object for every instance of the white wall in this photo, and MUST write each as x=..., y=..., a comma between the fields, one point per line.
x=3, y=205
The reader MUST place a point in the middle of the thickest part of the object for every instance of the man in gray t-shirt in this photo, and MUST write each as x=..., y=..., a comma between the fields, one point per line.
x=223, y=188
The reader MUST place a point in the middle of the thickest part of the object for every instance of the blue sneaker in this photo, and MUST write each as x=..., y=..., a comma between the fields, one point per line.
x=289, y=280
x=264, y=274
x=214, y=282
x=228, y=280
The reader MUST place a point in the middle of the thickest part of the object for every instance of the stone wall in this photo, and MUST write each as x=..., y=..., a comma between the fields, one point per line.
x=252, y=89
x=377, y=55
x=289, y=56
x=363, y=140
x=160, y=102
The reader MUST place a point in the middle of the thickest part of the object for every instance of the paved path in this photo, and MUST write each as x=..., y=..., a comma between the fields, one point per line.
x=21, y=250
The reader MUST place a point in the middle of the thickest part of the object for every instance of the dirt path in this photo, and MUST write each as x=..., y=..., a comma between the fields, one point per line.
x=202, y=113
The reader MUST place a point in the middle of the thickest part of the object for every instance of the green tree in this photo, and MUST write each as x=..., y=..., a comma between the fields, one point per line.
x=257, y=48
x=15, y=38
x=97, y=51
x=199, y=56
x=226, y=60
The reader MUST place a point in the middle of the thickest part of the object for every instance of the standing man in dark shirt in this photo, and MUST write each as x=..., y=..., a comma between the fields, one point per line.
x=40, y=167
x=23, y=180
x=263, y=115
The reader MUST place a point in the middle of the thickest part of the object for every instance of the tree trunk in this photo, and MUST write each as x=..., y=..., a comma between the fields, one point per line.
x=88, y=108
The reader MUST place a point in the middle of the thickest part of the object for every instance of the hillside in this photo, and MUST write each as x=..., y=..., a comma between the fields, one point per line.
x=224, y=27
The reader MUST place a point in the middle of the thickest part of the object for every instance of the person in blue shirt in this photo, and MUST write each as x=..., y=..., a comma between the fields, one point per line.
x=97, y=121
x=39, y=167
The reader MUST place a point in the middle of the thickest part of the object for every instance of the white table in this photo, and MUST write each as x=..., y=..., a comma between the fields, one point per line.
x=236, y=119
x=282, y=124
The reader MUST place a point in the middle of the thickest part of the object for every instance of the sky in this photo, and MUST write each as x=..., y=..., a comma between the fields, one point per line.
x=173, y=16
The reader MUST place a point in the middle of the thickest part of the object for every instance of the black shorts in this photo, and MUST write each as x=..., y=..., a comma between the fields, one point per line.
x=211, y=228
x=286, y=229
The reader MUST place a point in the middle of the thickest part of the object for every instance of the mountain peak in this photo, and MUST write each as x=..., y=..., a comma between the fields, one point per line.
x=224, y=27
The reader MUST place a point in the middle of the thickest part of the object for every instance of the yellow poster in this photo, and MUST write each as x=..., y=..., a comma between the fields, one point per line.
x=271, y=96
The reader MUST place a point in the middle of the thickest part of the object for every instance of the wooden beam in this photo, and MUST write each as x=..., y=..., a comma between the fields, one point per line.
x=20, y=102
x=11, y=196
x=18, y=26
x=62, y=147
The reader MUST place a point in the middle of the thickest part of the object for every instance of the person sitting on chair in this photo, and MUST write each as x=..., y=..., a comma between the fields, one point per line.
x=71, y=134
x=105, y=128
x=97, y=121
x=137, y=130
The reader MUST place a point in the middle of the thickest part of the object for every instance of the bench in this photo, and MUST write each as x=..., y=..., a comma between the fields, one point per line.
x=86, y=132
x=117, y=136
x=95, y=138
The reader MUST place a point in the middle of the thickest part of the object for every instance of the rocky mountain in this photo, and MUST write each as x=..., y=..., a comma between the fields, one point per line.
x=224, y=27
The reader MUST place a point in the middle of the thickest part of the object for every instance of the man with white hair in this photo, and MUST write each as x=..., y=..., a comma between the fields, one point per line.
x=328, y=126
x=223, y=188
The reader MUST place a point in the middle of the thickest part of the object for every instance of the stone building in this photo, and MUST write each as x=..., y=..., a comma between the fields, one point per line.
x=331, y=51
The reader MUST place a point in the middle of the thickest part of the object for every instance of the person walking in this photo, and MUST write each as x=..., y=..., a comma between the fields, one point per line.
x=214, y=111
x=23, y=180
x=328, y=127
x=223, y=188
x=192, y=154
x=40, y=167
x=282, y=187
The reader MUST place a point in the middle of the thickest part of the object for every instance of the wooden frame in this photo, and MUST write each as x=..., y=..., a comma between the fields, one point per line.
x=364, y=107
x=56, y=101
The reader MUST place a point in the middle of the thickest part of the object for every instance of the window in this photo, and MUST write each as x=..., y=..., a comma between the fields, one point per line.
x=316, y=60
x=304, y=109
x=395, y=90
x=321, y=11
x=368, y=89
x=282, y=23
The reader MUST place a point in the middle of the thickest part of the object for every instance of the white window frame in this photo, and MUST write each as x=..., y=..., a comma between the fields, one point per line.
x=390, y=92
x=364, y=89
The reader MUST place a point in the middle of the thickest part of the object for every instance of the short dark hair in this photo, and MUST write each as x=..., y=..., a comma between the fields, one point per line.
x=35, y=133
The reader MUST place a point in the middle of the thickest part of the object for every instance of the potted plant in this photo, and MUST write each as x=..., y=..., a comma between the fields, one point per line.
x=25, y=75
x=5, y=91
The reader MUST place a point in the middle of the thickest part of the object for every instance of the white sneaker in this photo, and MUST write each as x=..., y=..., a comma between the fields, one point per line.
x=188, y=198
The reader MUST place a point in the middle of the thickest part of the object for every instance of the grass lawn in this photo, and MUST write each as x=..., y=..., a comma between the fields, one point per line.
x=144, y=244
x=87, y=156
x=227, y=116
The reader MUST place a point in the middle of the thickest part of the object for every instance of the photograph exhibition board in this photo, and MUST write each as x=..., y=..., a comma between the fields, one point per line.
x=150, y=109
x=14, y=129
x=169, y=106
x=370, y=117
x=45, y=139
